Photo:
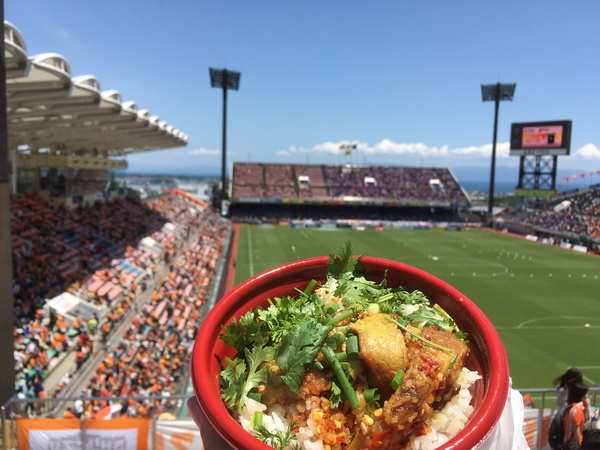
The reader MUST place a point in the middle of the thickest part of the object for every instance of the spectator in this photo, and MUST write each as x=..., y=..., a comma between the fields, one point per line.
x=564, y=382
x=591, y=440
x=576, y=417
x=92, y=324
x=571, y=444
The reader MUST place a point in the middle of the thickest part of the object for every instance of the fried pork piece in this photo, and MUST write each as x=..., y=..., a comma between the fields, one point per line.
x=430, y=373
x=313, y=383
x=382, y=350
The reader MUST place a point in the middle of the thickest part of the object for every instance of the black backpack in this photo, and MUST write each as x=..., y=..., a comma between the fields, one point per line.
x=556, y=433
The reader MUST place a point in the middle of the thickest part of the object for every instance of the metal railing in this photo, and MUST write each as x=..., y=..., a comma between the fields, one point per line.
x=41, y=407
x=544, y=406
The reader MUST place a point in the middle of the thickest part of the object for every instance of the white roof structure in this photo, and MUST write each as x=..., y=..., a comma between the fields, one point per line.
x=49, y=108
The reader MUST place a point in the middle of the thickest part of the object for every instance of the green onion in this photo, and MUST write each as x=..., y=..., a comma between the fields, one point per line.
x=318, y=365
x=257, y=420
x=385, y=297
x=347, y=388
x=342, y=356
x=454, y=358
x=254, y=396
x=352, y=346
x=349, y=312
x=341, y=329
x=333, y=340
x=439, y=309
x=397, y=380
x=371, y=395
x=331, y=309
x=310, y=287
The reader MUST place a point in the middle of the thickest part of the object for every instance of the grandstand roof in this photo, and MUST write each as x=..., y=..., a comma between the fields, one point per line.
x=49, y=108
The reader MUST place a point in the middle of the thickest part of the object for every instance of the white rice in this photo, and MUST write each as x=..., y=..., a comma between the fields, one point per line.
x=448, y=422
x=445, y=424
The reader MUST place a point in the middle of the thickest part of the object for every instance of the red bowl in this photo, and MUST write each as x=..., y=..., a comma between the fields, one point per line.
x=487, y=354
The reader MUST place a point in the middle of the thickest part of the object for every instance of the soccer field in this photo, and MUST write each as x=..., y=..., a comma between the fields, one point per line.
x=544, y=301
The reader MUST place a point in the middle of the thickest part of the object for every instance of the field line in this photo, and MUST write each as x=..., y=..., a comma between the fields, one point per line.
x=588, y=379
x=539, y=319
x=250, y=256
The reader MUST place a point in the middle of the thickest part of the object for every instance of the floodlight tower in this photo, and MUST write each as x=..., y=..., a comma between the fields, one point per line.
x=224, y=79
x=495, y=92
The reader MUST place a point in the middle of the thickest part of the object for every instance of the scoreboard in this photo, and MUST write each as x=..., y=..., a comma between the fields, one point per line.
x=541, y=138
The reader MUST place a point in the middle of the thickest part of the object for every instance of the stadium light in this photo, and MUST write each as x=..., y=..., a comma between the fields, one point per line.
x=224, y=79
x=496, y=93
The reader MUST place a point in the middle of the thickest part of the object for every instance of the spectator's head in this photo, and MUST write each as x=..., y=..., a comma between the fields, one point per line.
x=571, y=444
x=572, y=375
x=591, y=440
x=577, y=393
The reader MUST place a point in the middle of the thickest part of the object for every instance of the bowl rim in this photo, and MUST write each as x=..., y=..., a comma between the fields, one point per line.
x=481, y=424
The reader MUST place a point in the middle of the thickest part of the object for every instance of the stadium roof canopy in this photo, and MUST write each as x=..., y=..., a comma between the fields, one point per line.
x=48, y=108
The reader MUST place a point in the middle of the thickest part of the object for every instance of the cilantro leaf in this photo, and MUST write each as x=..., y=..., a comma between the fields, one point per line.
x=239, y=378
x=344, y=263
x=279, y=439
x=336, y=395
x=244, y=333
x=299, y=348
x=435, y=316
x=286, y=313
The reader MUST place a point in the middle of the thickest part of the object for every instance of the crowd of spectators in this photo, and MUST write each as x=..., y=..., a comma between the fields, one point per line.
x=152, y=354
x=577, y=215
x=335, y=214
x=100, y=254
x=326, y=182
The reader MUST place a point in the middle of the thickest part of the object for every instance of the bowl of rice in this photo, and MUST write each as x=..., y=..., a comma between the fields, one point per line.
x=459, y=415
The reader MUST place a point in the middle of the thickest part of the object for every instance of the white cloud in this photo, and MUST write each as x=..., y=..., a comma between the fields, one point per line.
x=388, y=147
x=204, y=151
x=483, y=151
x=392, y=148
x=330, y=147
x=411, y=152
x=293, y=150
x=588, y=151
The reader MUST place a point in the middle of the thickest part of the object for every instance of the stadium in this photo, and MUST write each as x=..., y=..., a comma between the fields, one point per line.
x=108, y=288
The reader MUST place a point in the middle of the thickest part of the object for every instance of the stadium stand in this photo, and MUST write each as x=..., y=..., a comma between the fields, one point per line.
x=109, y=267
x=567, y=219
x=264, y=192
x=387, y=184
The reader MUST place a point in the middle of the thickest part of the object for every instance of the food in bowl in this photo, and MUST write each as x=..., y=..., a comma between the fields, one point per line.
x=348, y=363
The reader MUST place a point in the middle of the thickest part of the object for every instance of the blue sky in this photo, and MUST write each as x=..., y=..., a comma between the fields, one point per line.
x=400, y=79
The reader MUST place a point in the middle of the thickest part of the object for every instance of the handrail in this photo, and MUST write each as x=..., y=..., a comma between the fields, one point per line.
x=542, y=395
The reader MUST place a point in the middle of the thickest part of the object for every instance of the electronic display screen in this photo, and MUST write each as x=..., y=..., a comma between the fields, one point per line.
x=540, y=138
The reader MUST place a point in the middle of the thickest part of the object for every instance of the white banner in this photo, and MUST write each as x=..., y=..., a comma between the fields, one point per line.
x=177, y=435
x=94, y=439
x=67, y=434
x=50, y=439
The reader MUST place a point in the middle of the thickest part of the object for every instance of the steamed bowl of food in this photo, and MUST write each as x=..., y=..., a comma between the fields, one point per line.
x=349, y=352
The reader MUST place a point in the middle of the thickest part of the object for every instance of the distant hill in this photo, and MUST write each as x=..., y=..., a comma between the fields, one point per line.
x=510, y=175
x=472, y=177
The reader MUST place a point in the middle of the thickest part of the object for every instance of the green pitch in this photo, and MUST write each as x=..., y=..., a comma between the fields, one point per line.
x=544, y=301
